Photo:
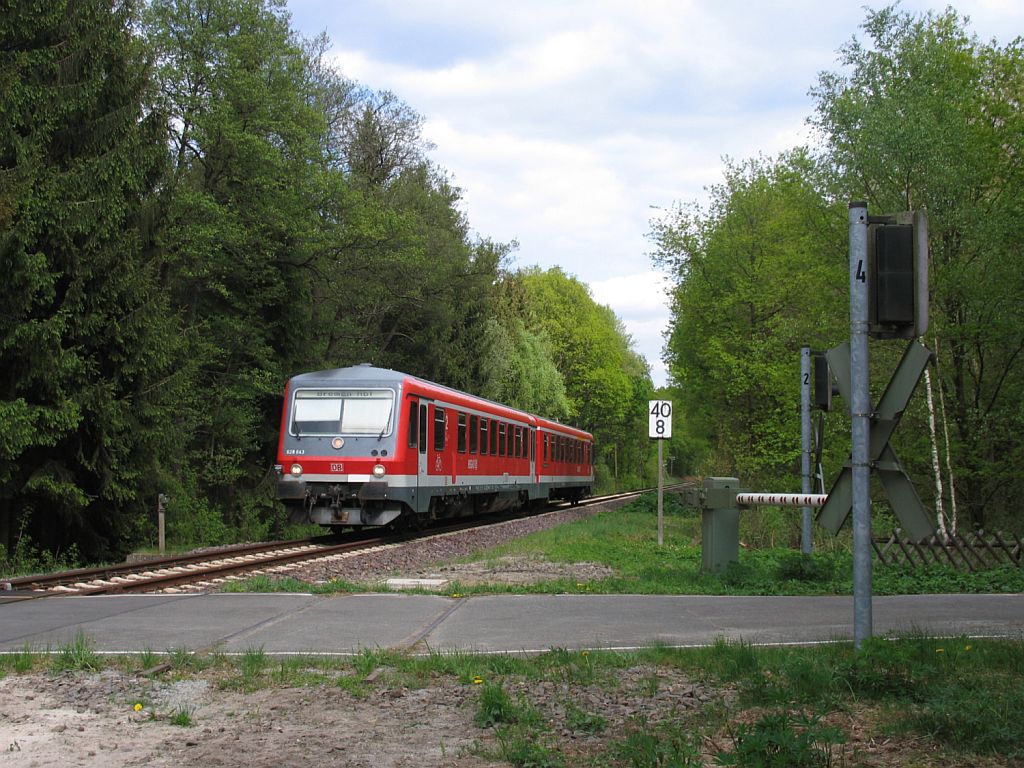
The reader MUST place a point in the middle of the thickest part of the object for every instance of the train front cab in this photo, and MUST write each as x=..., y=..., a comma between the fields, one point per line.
x=339, y=457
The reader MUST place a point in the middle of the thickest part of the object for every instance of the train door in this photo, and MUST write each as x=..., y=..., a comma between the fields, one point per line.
x=422, y=495
x=533, y=455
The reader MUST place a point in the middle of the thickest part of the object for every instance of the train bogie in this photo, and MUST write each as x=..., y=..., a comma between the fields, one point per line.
x=365, y=446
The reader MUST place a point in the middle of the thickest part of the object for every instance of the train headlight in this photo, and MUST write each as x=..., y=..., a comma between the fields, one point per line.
x=296, y=470
x=338, y=443
x=378, y=471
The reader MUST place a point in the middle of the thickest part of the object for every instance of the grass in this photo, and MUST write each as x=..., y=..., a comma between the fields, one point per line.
x=625, y=540
x=182, y=717
x=76, y=656
x=19, y=662
x=934, y=701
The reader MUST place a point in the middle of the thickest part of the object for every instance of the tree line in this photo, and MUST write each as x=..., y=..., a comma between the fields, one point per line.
x=195, y=205
x=921, y=114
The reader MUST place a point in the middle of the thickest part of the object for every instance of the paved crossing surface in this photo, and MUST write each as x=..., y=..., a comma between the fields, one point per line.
x=346, y=624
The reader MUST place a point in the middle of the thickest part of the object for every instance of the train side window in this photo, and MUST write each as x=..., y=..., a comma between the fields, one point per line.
x=423, y=428
x=501, y=438
x=533, y=444
x=511, y=441
x=474, y=433
x=544, y=449
x=519, y=442
x=438, y=429
x=483, y=437
x=413, y=423
x=462, y=433
x=494, y=438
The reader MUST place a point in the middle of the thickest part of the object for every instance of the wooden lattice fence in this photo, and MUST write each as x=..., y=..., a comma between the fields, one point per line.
x=975, y=551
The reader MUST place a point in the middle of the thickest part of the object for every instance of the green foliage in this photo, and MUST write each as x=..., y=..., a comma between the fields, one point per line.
x=25, y=558
x=920, y=117
x=967, y=717
x=758, y=274
x=625, y=540
x=798, y=566
x=606, y=383
x=87, y=344
x=959, y=691
x=253, y=662
x=184, y=660
x=495, y=706
x=521, y=749
x=182, y=717
x=79, y=655
x=20, y=661
x=783, y=740
x=186, y=189
x=656, y=745
x=578, y=720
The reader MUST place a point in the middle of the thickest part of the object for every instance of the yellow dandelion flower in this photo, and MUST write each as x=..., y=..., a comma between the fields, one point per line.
x=940, y=650
x=477, y=680
x=967, y=647
x=586, y=653
x=137, y=707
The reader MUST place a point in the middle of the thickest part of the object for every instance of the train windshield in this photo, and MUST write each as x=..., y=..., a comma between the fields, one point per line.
x=343, y=412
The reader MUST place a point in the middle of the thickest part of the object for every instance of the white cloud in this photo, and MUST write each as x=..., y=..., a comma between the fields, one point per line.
x=565, y=122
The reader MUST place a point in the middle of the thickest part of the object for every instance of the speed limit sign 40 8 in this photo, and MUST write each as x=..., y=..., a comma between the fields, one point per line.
x=659, y=421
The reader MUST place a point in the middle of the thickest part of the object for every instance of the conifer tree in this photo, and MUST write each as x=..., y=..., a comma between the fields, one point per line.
x=85, y=346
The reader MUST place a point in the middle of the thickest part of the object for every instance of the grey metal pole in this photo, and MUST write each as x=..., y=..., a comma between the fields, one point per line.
x=860, y=416
x=661, y=495
x=805, y=443
x=161, y=506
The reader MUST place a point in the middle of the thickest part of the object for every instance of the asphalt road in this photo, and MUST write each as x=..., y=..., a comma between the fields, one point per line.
x=347, y=624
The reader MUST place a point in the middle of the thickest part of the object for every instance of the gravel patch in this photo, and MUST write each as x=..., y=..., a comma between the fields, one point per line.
x=431, y=557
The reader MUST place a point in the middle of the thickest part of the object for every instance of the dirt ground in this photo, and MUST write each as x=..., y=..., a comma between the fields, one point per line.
x=90, y=720
x=83, y=719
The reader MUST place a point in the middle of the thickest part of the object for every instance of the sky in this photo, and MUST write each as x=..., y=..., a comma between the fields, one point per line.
x=569, y=124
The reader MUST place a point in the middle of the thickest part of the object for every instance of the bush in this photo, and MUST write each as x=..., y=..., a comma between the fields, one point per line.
x=798, y=566
x=783, y=741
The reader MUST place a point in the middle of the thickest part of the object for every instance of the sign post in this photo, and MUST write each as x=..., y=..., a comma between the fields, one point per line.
x=659, y=427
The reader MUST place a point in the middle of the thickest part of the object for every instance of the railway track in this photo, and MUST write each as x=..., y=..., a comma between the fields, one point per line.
x=204, y=567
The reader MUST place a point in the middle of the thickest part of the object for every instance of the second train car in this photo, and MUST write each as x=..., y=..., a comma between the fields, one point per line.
x=366, y=446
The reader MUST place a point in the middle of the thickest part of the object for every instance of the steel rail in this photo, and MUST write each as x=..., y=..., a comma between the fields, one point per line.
x=162, y=573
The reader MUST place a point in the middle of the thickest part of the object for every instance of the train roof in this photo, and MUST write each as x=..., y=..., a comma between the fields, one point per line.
x=365, y=372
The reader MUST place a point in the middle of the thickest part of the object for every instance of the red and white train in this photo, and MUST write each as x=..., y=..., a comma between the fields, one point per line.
x=365, y=446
